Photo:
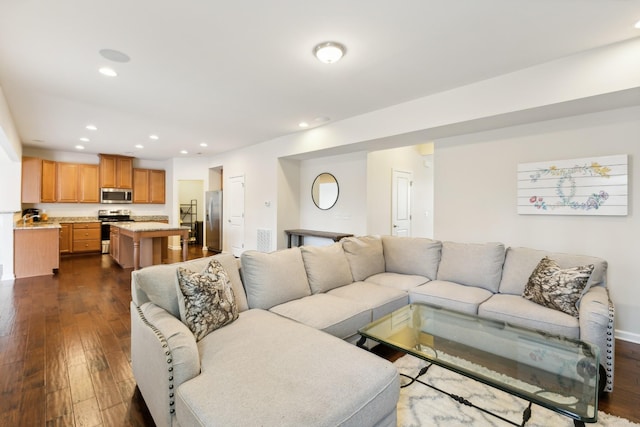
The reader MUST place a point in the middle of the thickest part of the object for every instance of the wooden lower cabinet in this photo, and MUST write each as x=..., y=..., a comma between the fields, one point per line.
x=86, y=237
x=66, y=234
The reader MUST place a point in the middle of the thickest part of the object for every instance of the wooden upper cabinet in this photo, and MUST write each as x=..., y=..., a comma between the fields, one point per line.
x=89, y=184
x=116, y=171
x=140, y=186
x=149, y=186
x=156, y=186
x=31, y=179
x=68, y=174
x=48, y=183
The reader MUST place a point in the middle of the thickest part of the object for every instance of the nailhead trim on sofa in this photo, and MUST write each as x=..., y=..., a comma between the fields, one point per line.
x=168, y=355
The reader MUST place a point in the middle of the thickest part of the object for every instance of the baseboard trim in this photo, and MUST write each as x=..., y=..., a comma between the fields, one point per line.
x=628, y=336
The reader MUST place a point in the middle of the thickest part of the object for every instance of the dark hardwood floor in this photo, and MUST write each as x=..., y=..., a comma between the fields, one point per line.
x=64, y=350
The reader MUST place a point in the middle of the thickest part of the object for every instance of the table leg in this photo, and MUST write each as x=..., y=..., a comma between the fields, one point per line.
x=136, y=253
x=288, y=240
x=185, y=246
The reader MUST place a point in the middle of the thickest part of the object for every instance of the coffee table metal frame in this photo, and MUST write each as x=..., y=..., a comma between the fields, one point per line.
x=564, y=370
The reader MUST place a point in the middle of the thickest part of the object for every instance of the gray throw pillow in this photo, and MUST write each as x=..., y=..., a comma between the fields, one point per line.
x=206, y=300
x=553, y=287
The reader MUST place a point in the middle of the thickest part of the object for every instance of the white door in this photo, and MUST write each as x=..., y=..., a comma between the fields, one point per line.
x=401, y=203
x=235, y=193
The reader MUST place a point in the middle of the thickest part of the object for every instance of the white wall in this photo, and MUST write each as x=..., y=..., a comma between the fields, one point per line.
x=10, y=172
x=379, y=186
x=475, y=196
x=347, y=215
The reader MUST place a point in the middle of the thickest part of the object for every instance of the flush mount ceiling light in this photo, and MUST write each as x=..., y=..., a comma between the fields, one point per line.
x=154, y=137
x=329, y=52
x=91, y=127
x=114, y=55
x=303, y=125
x=84, y=139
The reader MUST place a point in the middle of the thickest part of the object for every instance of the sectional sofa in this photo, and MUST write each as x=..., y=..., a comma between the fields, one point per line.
x=287, y=358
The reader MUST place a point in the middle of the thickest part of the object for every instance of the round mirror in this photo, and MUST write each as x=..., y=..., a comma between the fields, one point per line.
x=324, y=191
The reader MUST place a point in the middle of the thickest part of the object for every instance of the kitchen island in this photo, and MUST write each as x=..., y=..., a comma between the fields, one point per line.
x=36, y=249
x=140, y=244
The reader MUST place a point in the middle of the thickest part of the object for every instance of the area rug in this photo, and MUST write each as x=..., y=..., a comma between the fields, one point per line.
x=422, y=406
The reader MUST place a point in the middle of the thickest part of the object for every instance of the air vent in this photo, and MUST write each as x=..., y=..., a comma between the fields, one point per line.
x=264, y=240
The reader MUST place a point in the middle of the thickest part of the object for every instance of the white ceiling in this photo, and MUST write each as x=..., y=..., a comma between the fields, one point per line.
x=235, y=73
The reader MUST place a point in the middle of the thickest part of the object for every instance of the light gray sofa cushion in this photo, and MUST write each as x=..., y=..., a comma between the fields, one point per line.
x=472, y=264
x=412, y=255
x=337, y=316
x=520, y=262
x=403, y=282
x=380, y=299
x=450, y=295
x=236, y=386
x=326, y=266
x=159, y=283
x=274, y=278
x=518, y=311
x=365, y=256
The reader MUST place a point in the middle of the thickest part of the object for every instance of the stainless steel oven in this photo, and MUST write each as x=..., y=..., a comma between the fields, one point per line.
x=108, y=217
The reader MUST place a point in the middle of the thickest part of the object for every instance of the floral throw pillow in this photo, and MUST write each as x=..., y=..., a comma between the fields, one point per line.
x=556, y=288
x=208, y=301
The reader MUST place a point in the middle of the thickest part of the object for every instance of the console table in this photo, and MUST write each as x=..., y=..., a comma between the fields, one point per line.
x=301, y=233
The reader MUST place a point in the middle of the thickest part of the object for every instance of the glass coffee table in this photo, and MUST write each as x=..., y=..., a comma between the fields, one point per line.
x=552, y=371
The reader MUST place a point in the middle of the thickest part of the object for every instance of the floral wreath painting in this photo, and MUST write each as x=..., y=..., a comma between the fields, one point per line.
x=588, y=186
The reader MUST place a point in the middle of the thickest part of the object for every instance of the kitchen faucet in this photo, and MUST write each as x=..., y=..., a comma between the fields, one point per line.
x=28, y=216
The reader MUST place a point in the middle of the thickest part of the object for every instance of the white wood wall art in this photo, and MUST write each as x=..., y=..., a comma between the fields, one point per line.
x=588, y=186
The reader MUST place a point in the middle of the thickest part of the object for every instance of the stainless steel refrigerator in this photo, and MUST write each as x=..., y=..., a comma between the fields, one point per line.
x=213, y=220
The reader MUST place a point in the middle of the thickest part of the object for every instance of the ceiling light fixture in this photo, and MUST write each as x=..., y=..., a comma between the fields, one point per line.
x=184, y=152
x=637, y=25
x=329, y=52
x=109, y=72
x=303, y=125
x=79, y=147
x=114, y=55
x=84, y=139
x=91, y=127
x=154, y=137
x=204, y=144
x=139, y=146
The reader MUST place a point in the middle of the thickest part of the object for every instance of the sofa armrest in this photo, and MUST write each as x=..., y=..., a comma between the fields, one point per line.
x=597, y=317
x=164, y=355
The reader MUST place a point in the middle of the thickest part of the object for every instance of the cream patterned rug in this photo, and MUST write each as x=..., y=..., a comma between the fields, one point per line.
x=422, y=406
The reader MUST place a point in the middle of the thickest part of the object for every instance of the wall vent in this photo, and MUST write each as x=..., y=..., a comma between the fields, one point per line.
x=264, y=240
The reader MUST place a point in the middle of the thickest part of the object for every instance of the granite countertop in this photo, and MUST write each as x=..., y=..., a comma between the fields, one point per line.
x=35, y=225
x=147, y=226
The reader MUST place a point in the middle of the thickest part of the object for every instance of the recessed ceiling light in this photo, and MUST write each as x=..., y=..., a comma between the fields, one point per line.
x=109, y=72
x=637, y=25
x=79, y=147
x=303, y=124
x=84, y=139
x=139, y=146
x=329, y=52
x=204, y=144
x=114, y=55
x=154, y=137
x=184, y=152
x=91, y=127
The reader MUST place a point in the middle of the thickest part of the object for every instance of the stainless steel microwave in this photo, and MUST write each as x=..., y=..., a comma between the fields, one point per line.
x=115, y=195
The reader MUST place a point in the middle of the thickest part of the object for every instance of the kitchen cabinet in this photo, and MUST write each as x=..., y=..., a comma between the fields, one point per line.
x=149, y=186
x=86, y=237
x=38, y=180
x=88, y=184
x=49, y=182
x=116, y=171
x=77, y=183
x=36, y=251
x=66, y=234
x=140, y=186
x=67, y=178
